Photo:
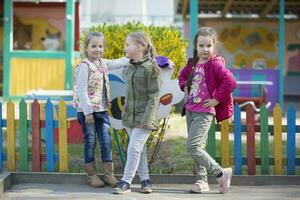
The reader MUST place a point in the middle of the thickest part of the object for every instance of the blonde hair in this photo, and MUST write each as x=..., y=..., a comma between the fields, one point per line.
x=204, y=31
x=88, y=39
x=144, y=40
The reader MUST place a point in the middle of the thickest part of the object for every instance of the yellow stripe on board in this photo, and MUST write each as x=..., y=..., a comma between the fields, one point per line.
x=109, y=111
x=62, y=140
x=32, y=73
x=225, y=143
x=11, y=151
x=277, y=115
x=119, y=101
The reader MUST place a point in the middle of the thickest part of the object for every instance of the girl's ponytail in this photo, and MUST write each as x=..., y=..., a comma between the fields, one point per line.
x=141, y=38
x=152, y=54
x=195, y=59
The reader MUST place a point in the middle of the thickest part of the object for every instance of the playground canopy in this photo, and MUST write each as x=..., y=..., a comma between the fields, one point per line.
x=254, y=8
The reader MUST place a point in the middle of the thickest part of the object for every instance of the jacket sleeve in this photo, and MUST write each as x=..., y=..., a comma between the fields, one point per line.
x=153, y=90
x=82, y=75
x=114, y=64
x=226, y=78
x=184, y=75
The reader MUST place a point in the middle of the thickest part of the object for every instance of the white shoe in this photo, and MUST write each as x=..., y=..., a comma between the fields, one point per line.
x=199, y=187
x=224, y=180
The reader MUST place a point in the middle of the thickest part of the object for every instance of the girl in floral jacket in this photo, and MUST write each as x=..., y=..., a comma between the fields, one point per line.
x=91, y=98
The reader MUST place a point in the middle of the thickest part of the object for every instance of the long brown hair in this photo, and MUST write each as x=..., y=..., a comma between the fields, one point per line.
x=203, y=31
x=144, y=40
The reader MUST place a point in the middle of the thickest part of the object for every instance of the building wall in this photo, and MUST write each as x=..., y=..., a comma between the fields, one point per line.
x=155, y=12
x=255, y=43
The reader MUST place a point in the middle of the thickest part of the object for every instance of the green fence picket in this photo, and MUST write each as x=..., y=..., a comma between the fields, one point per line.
x=264, y=140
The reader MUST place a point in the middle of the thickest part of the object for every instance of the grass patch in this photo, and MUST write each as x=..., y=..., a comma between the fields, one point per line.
x=172, y=158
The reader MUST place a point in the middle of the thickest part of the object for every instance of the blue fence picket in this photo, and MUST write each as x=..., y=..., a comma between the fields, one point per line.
x=291, y=143
x=237, y=141
x=49, y=137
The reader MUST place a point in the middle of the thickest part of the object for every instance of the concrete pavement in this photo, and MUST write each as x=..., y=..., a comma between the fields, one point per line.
x=26, y=191
x=66, y=186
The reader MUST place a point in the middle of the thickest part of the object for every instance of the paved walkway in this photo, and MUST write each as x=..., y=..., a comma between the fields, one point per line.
x=161, y=192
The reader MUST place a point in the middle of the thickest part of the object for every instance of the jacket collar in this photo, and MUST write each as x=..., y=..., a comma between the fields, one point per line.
x=213, y=57
x=91, y=63
x=140, y=62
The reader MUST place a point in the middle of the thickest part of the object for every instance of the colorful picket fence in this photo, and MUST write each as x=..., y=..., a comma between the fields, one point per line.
x=251, y=160
x=22, y=157
x=24, y=125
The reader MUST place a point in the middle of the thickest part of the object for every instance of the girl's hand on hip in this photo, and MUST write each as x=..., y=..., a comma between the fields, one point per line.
x=210, y=103
x=89, y=119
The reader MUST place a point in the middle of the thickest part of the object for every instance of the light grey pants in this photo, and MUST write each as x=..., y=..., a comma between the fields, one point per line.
x=136, y=155
x=198, y=125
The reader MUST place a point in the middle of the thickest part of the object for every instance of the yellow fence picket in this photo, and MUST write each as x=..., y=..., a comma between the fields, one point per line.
x=63, y=143
x=225, y=143
x=277, y=115
x=11, y=149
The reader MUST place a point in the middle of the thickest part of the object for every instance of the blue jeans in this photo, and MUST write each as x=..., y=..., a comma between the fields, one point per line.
x=99, y=128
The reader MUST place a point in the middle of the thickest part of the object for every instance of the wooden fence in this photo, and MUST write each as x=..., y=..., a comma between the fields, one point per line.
x=35, y=155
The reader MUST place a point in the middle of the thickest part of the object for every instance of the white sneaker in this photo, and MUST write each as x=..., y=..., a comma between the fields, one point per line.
x=224, y=180
x=199, y=187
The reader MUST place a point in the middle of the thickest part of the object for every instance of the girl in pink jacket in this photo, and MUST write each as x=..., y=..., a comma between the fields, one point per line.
x=208, y=86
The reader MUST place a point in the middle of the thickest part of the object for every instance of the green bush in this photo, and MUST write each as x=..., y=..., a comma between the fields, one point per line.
x=168, y=41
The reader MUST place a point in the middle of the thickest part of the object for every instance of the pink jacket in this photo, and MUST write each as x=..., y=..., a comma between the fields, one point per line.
x=220, y=83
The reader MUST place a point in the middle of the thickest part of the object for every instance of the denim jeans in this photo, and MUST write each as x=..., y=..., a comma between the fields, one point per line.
x=99, y=128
